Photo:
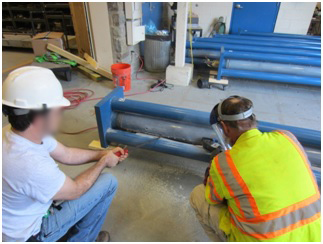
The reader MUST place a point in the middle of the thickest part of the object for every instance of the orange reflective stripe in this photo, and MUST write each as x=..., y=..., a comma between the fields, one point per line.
x=217, y=164
x=213, y=200
x=242, y=184
x=304, y=157
x=281, y=212
x=282, y=231
x=214, y=189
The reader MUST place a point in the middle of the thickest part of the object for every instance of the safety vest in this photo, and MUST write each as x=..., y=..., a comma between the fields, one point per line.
x=269, y=188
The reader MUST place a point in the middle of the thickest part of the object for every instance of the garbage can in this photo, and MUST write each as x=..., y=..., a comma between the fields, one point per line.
x=157, y=52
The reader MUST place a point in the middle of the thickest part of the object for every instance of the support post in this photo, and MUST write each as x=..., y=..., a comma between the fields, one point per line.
x=181, y=32
x=181, y=73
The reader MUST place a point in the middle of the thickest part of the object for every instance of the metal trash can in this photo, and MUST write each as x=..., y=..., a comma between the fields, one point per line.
x=157, y=53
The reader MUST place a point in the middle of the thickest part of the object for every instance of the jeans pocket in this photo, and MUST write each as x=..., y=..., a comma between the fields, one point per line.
x=48, y=228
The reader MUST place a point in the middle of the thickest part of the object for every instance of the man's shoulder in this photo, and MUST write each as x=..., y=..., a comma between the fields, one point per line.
x=25, y=162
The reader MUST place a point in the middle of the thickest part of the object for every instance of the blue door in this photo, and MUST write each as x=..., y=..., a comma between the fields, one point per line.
x=254, y=16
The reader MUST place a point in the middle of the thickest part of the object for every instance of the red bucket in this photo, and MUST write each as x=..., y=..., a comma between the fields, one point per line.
x=121, y=73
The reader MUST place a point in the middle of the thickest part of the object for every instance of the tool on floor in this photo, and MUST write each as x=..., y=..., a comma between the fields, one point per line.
x=160, y=86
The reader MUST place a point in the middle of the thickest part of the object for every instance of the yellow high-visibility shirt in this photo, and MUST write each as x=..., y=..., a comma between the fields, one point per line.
x=269, y=188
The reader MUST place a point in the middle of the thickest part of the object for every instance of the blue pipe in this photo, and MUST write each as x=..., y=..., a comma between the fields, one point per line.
x=283, y=35
x=291, y=79
x=311, y=138
x=203, y=53
x=161, y=111
x=273, y=58
x=195, y=60
x=305, y=136
x=167, y=146
x=277, y=68
x=258, y=43
x=288, y=51
x=158, y=144
x=265, y=39
x=317, y=175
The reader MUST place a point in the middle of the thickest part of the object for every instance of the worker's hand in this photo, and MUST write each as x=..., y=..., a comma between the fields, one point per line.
x=118, y=151
x=109, y=159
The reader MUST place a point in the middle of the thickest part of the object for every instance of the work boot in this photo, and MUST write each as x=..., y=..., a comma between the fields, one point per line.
x=103, y=236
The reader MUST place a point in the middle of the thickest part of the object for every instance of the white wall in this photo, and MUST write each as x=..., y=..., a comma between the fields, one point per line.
x=209, y=12
x=294, y=18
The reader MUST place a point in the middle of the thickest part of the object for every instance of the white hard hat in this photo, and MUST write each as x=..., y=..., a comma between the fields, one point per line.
x=32, y=87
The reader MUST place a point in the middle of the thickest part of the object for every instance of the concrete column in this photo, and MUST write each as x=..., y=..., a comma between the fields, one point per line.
x=181, y=32
x=181, y=73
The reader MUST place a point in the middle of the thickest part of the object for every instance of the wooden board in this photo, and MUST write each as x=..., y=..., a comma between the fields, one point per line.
x=89, y=73
x=213, y=72
x=91, y=61
x=80, y=27
x=78, y=60
x=96, y=145
x=215, y=81
x=100, y=34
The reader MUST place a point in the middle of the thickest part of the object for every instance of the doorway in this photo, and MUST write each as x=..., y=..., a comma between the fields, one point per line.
x=254, y=16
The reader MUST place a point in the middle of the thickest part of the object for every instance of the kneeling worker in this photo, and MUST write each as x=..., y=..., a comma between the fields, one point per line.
x=31, y=180
x=261, y=189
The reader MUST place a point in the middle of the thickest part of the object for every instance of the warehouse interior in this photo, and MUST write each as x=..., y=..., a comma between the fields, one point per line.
x=188, y=55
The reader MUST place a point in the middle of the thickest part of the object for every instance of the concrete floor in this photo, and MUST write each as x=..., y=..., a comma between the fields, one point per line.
x=152, y=203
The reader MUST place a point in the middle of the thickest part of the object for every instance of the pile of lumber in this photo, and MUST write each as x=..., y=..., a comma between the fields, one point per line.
x=88, y=65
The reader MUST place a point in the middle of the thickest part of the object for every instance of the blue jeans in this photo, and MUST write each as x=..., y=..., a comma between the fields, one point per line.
x=83, y=216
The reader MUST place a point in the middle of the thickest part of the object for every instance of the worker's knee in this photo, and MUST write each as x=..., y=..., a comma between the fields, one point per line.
x=106, y=184
x=197, y=196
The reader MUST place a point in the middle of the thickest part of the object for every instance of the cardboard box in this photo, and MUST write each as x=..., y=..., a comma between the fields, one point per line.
x=40, y=41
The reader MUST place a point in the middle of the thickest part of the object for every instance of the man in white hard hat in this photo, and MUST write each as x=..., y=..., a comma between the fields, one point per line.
x=31, y=180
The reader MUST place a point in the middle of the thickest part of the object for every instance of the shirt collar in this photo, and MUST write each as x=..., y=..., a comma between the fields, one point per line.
x=248, y=134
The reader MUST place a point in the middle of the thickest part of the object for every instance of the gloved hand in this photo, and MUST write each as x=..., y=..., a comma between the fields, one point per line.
x=206, y=175
x=214, y=153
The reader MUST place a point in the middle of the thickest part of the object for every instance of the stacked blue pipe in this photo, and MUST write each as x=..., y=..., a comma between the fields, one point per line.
x=293, y=59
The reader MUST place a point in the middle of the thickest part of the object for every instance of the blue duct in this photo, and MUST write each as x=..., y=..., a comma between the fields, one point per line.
x=265, y=39
x=259, y=43
x=245, y=48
